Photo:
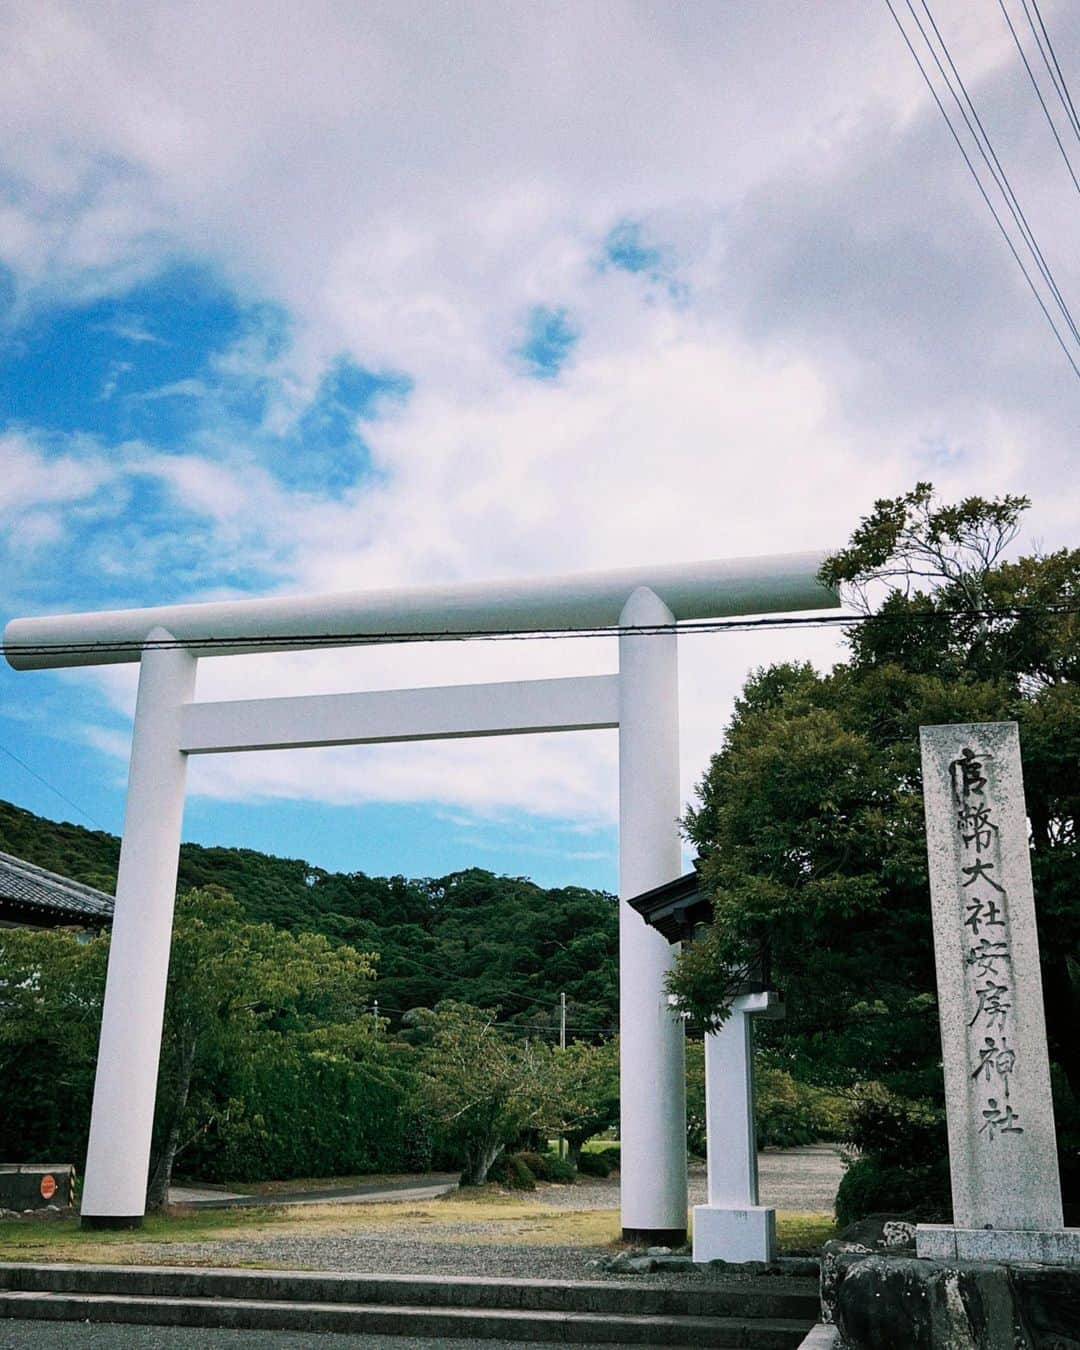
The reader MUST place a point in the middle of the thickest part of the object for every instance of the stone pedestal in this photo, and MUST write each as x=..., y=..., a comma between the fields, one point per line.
x=733, y=1226
x=1047, y=1247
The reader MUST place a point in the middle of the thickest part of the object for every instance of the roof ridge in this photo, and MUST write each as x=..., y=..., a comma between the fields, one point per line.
x=100, y=900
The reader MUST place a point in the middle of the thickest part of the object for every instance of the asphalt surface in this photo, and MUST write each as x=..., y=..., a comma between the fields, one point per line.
x=397, y=1188
x=18, y=1335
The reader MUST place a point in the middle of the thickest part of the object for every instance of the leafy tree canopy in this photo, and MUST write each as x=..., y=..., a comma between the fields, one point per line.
x=472, y=936
x=809, y=820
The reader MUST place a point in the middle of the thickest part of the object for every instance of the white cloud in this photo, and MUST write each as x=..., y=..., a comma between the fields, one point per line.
x=31, y=479
x=407, y=180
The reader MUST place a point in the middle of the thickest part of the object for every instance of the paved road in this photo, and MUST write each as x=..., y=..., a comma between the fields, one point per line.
x=391, y=1188
x=19, y=1335
x=790, y=1178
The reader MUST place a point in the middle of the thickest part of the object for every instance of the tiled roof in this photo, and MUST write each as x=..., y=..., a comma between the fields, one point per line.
x=33, y=888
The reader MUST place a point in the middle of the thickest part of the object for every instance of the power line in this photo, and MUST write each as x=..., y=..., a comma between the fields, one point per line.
x=1057, y=75
x=34, y=774
x=1038, y=93
x=982, y=190
x=993, y=163
x=314, y=641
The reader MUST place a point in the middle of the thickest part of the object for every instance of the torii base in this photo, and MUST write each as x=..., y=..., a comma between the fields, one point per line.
x=655, y=1237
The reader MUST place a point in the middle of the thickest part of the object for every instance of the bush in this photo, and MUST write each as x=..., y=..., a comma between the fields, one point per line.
x=790, y=1113
x=787, y=1112
x=549, y=1167
x=595, y=1164
x=904, y=1162
x=897, y=1129
x=418, y=1145
x=296, y=1115
x=870, y=1186
x=511, y=1170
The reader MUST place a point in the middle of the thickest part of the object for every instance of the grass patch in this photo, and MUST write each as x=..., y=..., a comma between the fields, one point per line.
x=802, y=1231
x=478, y=1215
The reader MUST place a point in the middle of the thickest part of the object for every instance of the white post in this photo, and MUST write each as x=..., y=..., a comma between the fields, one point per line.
x=118, y=1157
x=732, y=1226
x=653, y=1071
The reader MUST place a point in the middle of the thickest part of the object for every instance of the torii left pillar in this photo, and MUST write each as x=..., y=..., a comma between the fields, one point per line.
x=118, y=1156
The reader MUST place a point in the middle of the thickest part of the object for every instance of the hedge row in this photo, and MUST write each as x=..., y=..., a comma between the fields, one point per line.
x=309, y=1116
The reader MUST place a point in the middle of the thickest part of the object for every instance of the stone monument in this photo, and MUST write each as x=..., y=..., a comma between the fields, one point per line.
x=1006, y=1190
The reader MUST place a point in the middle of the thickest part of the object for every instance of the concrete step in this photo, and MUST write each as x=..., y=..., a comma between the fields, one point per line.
x=445, y=1323
x=763, y=1298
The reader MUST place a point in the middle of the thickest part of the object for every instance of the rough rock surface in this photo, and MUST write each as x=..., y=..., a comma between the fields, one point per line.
x=880, y=1300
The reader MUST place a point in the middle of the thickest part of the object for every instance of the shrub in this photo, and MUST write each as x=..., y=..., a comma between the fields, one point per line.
x=548, y=1167
x=418, y=1145
x=870, y=1186
x=512, y=1171
x=595, y=1164
x=560, y=1171
x=295, y=1115
x=787, y=1112
x=904, y=1162
x=897, y=1129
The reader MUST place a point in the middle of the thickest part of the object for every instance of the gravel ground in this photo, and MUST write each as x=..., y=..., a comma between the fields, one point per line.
x=788, y=1178
x=83, y=1336
x=382, y=1253
x=793, y=1179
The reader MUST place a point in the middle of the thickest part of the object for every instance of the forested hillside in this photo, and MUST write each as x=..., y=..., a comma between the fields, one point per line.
x=483, y=939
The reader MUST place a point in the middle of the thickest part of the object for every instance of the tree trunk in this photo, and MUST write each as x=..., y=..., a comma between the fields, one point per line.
x=161, y=1177
x=479, y=1158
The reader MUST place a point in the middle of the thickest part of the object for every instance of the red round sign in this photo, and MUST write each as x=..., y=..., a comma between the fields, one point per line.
x=48, y=1186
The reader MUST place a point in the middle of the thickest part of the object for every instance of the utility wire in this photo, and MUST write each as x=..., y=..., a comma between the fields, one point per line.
x=1038, y=93
x=34, y=774
x=1057, y=75
x=992, y=162
x=252, y=645
x=982, y=190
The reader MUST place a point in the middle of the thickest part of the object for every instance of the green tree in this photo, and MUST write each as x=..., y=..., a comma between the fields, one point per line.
x=809, y=820
x=482, y=1087
x=50, y=1017
x=230, y=982
x=584, y=1095
x=473, y=936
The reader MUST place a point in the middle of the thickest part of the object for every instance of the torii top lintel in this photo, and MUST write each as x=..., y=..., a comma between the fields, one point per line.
x=778, y=583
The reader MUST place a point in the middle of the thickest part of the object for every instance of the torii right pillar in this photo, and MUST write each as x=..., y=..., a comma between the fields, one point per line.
x=652, y=1087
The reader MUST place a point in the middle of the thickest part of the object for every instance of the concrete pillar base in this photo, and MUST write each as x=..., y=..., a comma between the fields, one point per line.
x=722, y=1234
x=655, y=1237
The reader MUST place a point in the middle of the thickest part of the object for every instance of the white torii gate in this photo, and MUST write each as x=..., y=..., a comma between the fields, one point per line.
x=641, y=701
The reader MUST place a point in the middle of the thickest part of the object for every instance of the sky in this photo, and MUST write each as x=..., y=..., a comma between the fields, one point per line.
x=297, y=299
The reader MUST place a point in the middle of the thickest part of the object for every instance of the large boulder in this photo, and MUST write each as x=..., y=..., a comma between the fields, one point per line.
x=880, y=1300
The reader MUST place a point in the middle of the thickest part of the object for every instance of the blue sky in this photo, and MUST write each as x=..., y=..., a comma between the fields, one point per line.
x=178, y=365
x=302, y=306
